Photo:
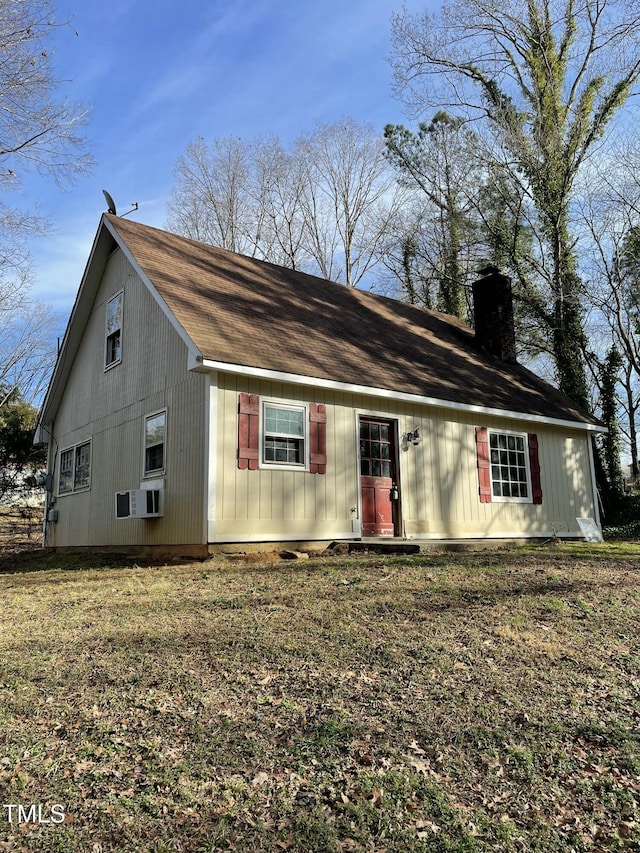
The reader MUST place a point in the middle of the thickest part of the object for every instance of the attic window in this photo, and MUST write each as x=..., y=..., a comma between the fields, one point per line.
x=113, y=349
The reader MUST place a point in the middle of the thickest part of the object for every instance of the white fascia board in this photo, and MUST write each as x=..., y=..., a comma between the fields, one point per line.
x=194, y=357
x=387, y=393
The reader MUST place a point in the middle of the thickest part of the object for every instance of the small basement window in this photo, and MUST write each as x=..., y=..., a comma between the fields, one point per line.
x=154, y=440
x=284, y=435
x=509, y=458
x=113, y=346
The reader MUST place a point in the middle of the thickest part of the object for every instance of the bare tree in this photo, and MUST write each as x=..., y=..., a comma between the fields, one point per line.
x=546, y=78
x=278, y=189
x=350, y=198
x=211, y=200
x=38, y=130
x=323, y=206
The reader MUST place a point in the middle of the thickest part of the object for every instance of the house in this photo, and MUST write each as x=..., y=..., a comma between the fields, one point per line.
x=202, y=398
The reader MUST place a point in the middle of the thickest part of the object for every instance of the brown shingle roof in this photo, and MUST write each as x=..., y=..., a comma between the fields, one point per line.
x=240, y=310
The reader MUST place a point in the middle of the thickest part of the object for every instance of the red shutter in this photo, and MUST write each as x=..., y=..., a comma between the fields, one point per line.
x=318, y=438
x=248, y=438
x=484, y=471
x=534, y=465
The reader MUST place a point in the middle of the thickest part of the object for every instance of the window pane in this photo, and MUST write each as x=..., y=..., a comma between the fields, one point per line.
x=113, y=348
x=386, y=469
x=375, y=468
x=154, y=458
x=284, y=450
x=284, y=421
x=375, y=432
x=114, y=314
x=65, y=480
x=365, y=468
x=154, y=429
x=364, y=430
x=83, y=466
x=384, y=432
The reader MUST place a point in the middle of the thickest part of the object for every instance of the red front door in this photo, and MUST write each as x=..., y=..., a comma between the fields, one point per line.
x=378, y=482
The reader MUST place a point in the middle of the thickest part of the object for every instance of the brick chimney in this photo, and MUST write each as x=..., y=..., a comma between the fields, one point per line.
x=493, y=314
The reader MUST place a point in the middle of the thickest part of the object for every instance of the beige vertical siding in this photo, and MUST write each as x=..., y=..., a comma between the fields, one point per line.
x=438, y=477
x=451, y=508
x=109, y=408
x=273, y=504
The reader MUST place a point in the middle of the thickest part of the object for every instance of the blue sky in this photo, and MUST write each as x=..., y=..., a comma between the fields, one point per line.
x=158, y=73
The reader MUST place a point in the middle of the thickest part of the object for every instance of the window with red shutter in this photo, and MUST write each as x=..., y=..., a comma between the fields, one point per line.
x=508, y=466
x=287, y=429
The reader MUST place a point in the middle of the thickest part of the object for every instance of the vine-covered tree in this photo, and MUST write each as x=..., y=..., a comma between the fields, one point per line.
x=610, y=370
x=545, y=78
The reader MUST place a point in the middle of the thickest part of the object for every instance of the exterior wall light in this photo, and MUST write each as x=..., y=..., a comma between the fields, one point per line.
x=413, y=437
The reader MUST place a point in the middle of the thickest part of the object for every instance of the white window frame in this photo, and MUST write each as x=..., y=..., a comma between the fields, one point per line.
x=154, y=472
x=107, y=335
x=73, y=449
x=290, y=405
x=527, y=464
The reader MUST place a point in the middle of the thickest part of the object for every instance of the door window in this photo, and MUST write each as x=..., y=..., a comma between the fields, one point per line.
x=375, y=449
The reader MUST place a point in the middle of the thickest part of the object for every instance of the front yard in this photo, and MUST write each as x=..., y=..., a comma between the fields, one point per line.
x=483, y=702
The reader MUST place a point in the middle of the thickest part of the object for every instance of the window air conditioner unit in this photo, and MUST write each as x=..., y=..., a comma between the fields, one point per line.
x=140, y=503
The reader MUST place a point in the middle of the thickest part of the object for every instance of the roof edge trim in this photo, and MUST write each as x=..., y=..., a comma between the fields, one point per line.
x=387, y=393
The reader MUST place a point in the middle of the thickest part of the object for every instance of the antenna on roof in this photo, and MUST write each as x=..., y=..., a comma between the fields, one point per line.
x=111, y=205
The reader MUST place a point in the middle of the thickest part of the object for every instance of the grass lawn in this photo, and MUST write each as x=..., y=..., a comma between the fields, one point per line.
x=485, y=702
